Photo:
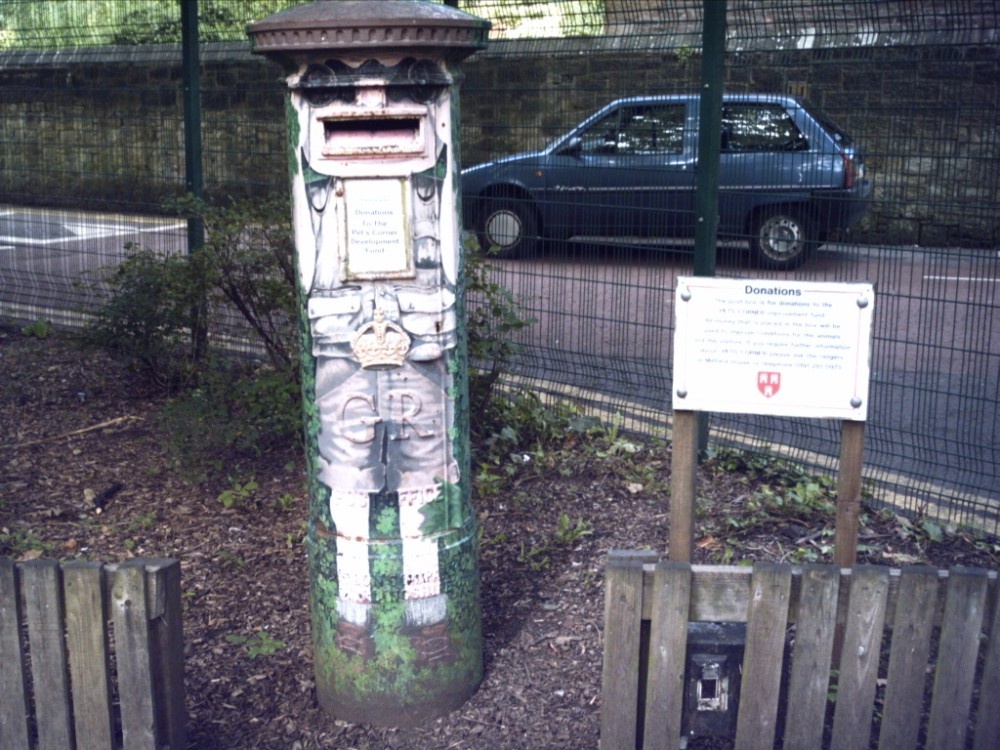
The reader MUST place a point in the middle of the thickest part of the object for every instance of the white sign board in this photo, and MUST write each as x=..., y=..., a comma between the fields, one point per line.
x=378, y=238
x=785, y=348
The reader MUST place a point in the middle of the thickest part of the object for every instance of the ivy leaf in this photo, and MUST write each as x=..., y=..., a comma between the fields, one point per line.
x=446, y=511
x=932, y=529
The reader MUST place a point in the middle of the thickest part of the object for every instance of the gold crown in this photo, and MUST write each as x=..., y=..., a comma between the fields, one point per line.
x=380, y=344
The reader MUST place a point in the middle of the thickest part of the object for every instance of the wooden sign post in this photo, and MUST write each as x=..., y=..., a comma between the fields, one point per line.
x=782, y=348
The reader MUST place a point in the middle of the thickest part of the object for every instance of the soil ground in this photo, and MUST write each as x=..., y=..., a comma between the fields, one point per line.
x=84, y=473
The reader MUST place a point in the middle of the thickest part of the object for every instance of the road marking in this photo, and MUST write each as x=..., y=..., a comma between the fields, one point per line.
x=961, y=278
x=70, y=230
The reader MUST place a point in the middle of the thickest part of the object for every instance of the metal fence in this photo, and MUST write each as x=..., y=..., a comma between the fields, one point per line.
x=91, y=142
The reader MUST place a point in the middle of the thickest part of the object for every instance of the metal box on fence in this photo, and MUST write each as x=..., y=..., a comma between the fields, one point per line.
x=712, y=678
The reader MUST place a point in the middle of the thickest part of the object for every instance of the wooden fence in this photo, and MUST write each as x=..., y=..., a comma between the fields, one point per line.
x=67, y=679
x=936, y=685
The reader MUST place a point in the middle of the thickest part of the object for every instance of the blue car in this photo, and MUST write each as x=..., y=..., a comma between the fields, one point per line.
x=789, y=178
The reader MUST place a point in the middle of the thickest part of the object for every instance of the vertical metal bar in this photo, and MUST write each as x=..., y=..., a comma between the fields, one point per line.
x=191, y=74
x=194, y=179
x=713, y=63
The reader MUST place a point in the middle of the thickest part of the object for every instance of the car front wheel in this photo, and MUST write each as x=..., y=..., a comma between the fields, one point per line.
x=508, y=228
x=781, y=240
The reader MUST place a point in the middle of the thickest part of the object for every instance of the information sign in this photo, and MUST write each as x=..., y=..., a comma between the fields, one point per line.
x=785, y=348
x=378, y=239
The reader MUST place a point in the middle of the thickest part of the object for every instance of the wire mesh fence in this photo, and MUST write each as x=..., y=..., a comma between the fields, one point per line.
x=91, y=147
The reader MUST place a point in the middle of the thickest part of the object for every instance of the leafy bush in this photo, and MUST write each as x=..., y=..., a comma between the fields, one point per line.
x=160, y=307
x=494, y=315
x=234, y=407
x=247, y=260
x=152, y=310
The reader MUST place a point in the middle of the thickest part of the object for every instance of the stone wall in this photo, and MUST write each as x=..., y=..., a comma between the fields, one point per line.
x=104, y=128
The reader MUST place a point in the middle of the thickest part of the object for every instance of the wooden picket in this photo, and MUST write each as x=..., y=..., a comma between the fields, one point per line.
x=64, y=700
x=807, y=615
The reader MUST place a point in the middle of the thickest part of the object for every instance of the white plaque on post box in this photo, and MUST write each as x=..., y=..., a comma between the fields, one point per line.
x=377, y=243
x=787, y=348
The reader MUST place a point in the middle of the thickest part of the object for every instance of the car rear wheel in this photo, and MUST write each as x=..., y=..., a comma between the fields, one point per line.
x=781, y=240
x=508, y=228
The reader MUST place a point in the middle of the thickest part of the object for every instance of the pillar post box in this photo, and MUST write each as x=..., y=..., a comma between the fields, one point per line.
x=372, y=133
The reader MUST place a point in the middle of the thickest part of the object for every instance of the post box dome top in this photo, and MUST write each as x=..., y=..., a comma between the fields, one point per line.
x=373, y=26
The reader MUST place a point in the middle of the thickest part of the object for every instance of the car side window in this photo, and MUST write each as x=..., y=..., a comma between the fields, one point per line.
x=640, y=129
x=760, y=127
x=602, y=136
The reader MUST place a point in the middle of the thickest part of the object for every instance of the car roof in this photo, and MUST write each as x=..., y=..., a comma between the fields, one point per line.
x=785, y=99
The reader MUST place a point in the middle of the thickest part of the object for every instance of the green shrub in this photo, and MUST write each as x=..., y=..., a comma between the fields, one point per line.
x=150, y=315
x=494, y=315
x=247, y=262
x=233, y=408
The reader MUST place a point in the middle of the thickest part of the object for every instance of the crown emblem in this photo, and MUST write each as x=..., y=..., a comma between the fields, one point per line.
x=380, y=344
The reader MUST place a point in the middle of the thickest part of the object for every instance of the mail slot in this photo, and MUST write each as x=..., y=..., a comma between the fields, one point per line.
x=372, y=124
x=385, y=136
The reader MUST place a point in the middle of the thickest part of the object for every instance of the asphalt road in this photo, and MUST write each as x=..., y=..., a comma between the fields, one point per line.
x=604, y=324
x=46, y=253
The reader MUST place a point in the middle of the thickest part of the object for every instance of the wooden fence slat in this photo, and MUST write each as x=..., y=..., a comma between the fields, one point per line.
x=667, y=650
x=956, y=660
x=131, y=621
x=87, y=643
x=908, y=657
x=622, y=633
x=43, y=610
x=809, y=685
x=852, y=719
x=915, y=602
x=721, y=595
x=988, y=722
x=13, y=678
x=767, y=614
x=163, y=582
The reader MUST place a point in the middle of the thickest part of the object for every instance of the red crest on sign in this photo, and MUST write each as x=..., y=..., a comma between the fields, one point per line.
x=768, y=383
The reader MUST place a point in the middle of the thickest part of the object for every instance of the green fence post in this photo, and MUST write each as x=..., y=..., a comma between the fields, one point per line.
x=372, y=134
x=713, y=63
x=194, y=179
